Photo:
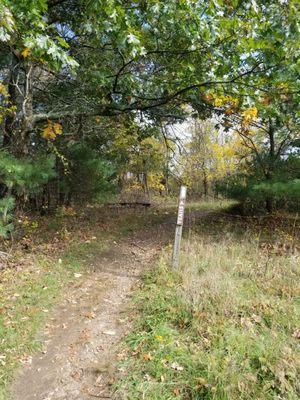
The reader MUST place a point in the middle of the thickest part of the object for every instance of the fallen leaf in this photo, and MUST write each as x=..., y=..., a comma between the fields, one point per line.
x=90, y=315
x=27, y=360
x=147, y=357
x=296, y=334
x=112, y=333
x=176, y=366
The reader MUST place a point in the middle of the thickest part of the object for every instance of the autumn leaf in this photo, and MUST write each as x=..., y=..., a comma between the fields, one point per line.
x=57, y=128
x=51, y=130
x=249, y=115
x=147, y=357
x=25, y=53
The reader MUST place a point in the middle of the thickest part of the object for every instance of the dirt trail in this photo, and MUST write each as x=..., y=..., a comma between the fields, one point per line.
x=80, y=339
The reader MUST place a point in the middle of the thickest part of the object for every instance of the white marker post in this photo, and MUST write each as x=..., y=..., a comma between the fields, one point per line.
x=178, y=231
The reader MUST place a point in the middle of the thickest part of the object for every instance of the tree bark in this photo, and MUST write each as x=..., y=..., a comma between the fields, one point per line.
x=205, y=184
x=12, y=92
x=270, y=169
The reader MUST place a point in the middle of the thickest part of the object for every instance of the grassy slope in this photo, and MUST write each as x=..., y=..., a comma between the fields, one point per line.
x=45, y=262
x=226, y=326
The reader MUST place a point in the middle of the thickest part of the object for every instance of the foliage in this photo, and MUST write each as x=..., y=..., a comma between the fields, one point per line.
x=254, y=191
x=21, y=178
x=52, y=130
x=89, y=175
x=140, y=154
x=66, y=65
x=209, y=156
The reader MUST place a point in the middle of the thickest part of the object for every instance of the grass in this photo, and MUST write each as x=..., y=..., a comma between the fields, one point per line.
x=47, y=260
x=226, y=326
x=26, y=297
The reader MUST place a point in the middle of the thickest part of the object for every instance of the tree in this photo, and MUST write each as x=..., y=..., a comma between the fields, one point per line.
x=269, y=132
x=140, y=153
x=208, y=157
x=147, y=55
x=66, y=63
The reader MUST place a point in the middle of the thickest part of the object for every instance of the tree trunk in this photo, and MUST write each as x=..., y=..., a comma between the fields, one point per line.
x=10, y=117
x=146, y=187
x=205, y=184
x=269, y=204
x=270, y=170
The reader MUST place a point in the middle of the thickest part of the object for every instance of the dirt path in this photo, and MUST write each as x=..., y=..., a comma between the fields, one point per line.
x=79, y=355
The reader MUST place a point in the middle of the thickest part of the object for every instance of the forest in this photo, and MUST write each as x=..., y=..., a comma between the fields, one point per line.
x=107, y=108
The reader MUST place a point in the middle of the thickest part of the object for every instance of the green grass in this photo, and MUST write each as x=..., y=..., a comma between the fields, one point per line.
x=225, y=326
x=25, y=300
x=27, y=295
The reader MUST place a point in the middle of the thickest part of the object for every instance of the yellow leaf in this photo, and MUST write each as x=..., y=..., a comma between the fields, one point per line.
x=147, y=357
x=250, y=114
x=51, y=130
x=25, y=53
x=57, y=128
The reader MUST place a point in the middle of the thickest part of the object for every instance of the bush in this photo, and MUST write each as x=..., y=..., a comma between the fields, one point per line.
x=90, y=176
x=256, y=193
x=20, y=178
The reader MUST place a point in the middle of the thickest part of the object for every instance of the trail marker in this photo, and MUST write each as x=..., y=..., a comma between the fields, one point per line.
x=178, y=230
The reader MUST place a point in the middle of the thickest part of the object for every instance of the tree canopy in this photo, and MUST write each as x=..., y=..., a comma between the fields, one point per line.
x=73, y=72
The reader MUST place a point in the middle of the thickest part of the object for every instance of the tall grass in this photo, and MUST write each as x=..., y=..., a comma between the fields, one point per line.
x=225, y=327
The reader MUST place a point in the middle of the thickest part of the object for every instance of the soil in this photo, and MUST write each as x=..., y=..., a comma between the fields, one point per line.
x=81, y=337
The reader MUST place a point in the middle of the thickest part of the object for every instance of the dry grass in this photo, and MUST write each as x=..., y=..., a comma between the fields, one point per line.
x=226, y=327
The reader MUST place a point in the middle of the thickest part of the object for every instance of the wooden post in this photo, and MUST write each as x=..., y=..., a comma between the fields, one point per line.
x=178, y=231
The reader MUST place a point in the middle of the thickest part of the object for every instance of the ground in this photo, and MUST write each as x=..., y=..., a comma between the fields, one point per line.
x=78, y=357
x=77, y=352
x=70, y=328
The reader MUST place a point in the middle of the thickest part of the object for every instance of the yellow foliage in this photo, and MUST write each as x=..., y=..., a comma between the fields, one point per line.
x=154, y=181
x=5, y=107
x=226, y=101
x=3, y=90
x=218, y=102
x=51, y=130
x=249, y=115
x=25, y=53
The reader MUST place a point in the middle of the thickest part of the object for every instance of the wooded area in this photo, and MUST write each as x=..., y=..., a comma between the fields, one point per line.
x=89, y=91
x=107, y=108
